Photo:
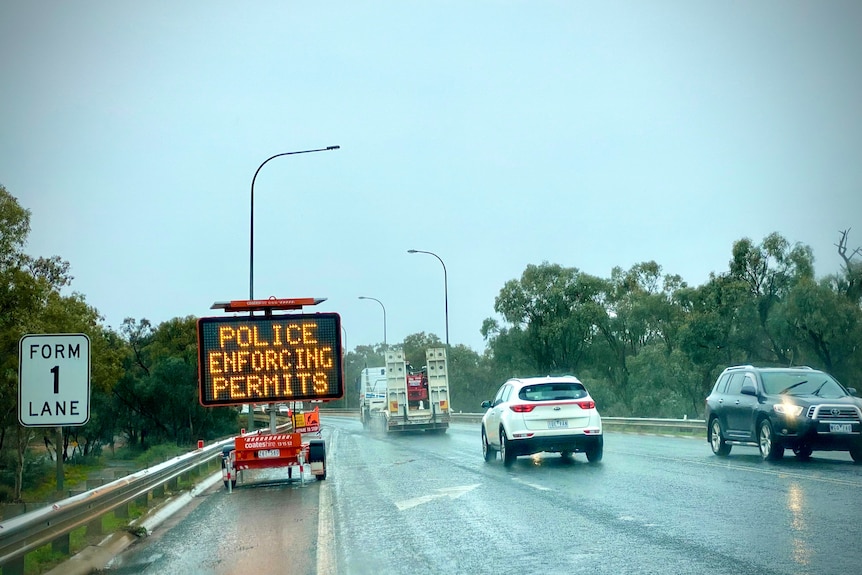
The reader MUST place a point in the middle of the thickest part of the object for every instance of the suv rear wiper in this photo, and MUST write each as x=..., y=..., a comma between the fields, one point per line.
x=797, y=384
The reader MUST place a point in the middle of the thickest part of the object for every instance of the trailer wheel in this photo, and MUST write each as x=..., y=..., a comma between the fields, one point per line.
x=317, y=453
x=225, y=457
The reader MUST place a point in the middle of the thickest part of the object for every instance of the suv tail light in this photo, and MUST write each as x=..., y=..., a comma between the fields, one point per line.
x=522, y=408
x=586, y=404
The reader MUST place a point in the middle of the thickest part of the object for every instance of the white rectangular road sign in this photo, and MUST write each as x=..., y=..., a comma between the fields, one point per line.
x=54, y=380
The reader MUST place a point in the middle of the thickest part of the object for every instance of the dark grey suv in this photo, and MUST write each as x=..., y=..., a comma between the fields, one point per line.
x=797, y=408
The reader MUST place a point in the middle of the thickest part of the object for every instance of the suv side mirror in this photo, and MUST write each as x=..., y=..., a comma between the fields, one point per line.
x=486, y=404
x=852, y=391
x=748, y=389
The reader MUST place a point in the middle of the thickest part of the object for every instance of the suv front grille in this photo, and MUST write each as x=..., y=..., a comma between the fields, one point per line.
x=839, y=412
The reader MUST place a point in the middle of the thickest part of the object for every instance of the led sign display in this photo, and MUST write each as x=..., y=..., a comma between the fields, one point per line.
x=269, y=359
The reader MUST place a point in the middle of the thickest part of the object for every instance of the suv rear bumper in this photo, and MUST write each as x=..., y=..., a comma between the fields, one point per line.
x=557, y=443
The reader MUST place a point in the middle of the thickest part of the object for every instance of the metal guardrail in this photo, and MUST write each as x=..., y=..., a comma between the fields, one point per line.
x=24, y=533
x=682, y=425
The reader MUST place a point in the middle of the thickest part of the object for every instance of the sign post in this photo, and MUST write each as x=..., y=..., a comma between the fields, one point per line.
x=54, y=384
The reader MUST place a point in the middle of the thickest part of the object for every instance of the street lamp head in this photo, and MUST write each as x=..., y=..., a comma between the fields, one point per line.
x=362, y=297
x=411, y=251
x=333, y=147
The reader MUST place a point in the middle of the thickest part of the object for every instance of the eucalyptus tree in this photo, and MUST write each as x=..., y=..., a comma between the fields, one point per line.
x=826, y=328
x=712, y=333
x=556, y=309
x=157, y=399
x=31, y=302
x=770, y=270
x=850, y=281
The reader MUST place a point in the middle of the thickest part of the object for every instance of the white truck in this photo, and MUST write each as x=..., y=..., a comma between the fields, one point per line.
x=408, y=399
x=372, y=395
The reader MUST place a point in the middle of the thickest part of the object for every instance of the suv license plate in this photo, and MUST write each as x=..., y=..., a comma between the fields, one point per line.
x=268, y=453
x=558, y=423
x=840, y=428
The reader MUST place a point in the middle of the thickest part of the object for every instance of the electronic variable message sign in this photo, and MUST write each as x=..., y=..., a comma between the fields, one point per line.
x=269, y=359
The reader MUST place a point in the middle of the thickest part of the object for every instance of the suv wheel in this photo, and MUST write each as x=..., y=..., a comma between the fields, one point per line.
x=856, y=452
x=716, y=439
x=769, y=448
x=802, y=451
x=594, y=452
x=488, y=452
x=506, y=454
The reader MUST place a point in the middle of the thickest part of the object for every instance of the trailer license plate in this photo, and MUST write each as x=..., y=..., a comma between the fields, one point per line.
x=268, y=453
x=840, y=428
x=558, y=423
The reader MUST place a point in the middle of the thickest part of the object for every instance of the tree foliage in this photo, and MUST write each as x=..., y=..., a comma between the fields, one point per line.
x=652, y=346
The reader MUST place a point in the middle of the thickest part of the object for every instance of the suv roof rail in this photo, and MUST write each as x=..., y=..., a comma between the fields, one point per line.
x=739, y=367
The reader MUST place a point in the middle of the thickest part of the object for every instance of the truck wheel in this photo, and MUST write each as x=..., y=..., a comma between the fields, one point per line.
x=317, y=453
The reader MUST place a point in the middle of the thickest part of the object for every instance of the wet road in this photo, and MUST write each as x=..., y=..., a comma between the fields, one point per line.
x=419, y=504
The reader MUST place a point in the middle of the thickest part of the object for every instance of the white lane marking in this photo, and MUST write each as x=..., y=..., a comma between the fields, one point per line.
x=533, y=485
x=325, y=524
x=780, y=473
x=451, y=492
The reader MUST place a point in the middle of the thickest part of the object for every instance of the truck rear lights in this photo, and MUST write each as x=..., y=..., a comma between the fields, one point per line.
x=522, y=408
x=592, y=431
x=522, y=435
x=586, y=404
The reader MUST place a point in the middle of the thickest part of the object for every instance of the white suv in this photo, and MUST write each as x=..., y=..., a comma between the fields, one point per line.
x=529, y=415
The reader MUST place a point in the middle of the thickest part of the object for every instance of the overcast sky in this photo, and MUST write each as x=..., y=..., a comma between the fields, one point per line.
x=494, y=133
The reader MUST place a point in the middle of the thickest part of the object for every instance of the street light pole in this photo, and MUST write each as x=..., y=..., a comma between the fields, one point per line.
x=251, y=218
x=445, y=288
x=344, y=347
x=251, y=250
x=384, y=314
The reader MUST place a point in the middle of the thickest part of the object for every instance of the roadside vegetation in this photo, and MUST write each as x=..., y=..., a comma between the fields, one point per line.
x=646, y=344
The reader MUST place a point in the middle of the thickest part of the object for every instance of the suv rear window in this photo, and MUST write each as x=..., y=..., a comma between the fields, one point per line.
x=552, y=392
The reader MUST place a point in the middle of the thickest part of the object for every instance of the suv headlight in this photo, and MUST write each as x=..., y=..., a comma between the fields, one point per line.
x=788, y=409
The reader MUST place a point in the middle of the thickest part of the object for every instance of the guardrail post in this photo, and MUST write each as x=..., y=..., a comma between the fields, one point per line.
x=143, y=501
x=159, y=491
x=173, y=485
x=14, y=567
x=61, y=544
x=122, y=512
x=94, y=527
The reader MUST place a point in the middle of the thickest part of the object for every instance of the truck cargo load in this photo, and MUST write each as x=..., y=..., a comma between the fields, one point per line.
x=398, y=397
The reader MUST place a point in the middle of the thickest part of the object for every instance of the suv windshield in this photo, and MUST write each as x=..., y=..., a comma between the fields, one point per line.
x=814, y=383
x=553, y=391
